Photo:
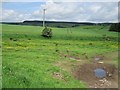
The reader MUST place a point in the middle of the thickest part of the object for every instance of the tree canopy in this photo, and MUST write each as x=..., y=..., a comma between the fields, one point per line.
x=115, y=27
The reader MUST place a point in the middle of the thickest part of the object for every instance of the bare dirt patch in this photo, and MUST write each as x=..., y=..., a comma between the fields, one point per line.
x=83, y=69
x=86, y=73
x=58, y=75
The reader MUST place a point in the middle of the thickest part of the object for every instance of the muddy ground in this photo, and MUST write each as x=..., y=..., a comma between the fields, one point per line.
x=83, y=70
x=86, y=73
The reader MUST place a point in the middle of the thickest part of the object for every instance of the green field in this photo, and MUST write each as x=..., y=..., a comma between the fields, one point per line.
x=30, y=60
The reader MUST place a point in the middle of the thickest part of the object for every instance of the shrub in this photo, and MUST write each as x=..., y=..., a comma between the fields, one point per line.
x=47, y=32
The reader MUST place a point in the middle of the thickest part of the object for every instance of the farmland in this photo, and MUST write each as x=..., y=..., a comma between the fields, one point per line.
x=32, y=61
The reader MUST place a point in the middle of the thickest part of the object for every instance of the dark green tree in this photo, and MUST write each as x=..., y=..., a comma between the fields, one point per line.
x=115, y=27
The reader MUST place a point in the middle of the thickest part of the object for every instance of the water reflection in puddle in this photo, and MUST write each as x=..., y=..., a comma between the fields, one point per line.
x=100, y=73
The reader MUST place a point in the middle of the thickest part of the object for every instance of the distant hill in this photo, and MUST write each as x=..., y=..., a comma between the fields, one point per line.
x=54, y=23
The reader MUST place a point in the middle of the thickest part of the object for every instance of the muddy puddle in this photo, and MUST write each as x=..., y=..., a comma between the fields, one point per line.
x=100, y=73
x=97, y=75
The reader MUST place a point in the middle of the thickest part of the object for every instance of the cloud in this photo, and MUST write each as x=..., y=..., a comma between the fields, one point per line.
x=95, y=8
x=62, y=11
x=119, y=11
x=11, y=15
x=67, y=11
x=105, y=12
x=8, y=14
x=59, y=0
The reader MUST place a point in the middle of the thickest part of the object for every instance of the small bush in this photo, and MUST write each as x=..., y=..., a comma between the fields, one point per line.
x=47, y=32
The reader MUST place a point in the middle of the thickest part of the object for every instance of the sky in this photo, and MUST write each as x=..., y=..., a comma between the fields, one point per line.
x=60, y=11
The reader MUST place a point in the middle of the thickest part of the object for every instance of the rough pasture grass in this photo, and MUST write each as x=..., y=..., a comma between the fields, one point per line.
x=29, y=59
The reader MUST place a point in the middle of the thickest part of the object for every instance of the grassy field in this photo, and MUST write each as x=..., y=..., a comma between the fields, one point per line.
x=30, y=60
